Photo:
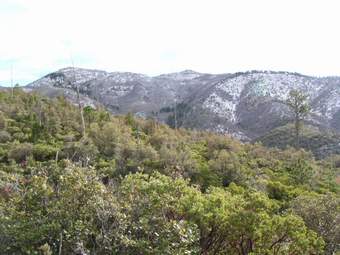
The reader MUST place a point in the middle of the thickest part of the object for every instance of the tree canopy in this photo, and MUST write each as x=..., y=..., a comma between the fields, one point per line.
x=135, y=186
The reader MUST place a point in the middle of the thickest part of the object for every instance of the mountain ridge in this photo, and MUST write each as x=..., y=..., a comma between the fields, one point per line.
x=244, y=104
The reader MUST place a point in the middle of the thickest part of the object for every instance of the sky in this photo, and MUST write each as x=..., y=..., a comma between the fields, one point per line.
x=162, y=36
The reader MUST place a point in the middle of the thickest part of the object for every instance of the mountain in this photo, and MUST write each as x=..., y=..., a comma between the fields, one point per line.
x=246, y=105
x=125, y=92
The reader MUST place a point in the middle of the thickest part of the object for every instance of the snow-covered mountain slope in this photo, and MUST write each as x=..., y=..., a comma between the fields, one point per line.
x=255, y=99
x=245, y=105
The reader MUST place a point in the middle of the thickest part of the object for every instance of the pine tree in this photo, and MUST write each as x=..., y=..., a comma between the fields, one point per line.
x=298, y=103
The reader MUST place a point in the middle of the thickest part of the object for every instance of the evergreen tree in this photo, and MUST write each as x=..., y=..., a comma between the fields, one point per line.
x=297, y=102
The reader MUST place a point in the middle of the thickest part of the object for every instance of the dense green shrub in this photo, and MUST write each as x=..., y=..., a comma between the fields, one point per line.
x=44, y=152
x=5, y=136
x=20, y=152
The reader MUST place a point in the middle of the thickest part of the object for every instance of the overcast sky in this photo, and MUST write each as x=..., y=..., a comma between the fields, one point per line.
x=160, y=36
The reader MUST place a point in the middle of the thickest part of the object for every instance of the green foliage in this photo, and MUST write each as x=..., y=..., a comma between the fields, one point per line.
x=247, y=223
x=44, y=152
x=277, y=190
x=229, y=167
x=43, y=209
x=321, y=213
x=300, y=170
x=154, y=224
x=2, y=121
x=134, y=186
x=310, y=139
x=84, y=151
x=297, y=102
x=5, y=136
x=20, y=152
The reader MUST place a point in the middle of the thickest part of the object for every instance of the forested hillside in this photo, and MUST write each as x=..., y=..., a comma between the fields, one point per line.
x=134, y=186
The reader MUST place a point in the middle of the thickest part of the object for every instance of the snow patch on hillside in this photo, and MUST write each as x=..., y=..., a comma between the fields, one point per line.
x=221, y=107
x=226, y=96
x=182, y=76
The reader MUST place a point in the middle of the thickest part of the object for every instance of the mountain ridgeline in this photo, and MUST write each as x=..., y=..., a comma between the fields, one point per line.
x=249, y=106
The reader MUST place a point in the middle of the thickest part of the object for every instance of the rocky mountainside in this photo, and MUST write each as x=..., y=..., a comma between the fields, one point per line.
x=246, y=105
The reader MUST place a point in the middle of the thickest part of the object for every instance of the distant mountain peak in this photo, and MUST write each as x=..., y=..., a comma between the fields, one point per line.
x=182, y=75
x=189, y=71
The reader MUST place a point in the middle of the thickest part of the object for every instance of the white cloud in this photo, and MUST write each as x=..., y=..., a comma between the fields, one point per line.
x=157, y=36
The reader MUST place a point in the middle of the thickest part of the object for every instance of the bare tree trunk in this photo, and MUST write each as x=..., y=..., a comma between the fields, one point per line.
x=81, y=114
x=40, y=113
x=297, y=131
x=60, y=243
x=56, y=157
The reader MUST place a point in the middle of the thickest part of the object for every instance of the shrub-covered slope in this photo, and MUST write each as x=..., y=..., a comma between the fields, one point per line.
x=133, y=186
x=321, y=143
